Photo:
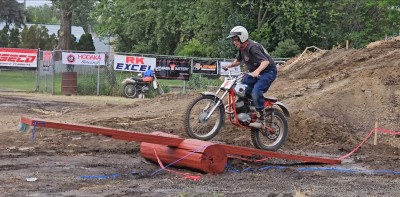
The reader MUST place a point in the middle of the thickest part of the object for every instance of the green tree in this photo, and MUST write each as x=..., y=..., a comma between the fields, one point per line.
x=200, y=27
x=165, y=27
x=43, y=15
x=194, y=48
x=4, y=37
x=64, y=34
x=51, y=43
x=365, y=21
x=286, y=48
x=12, y=12
x=81, y=16
x=74, y=43
x=86, y=43
x=67, y=8
x=28, y=38
x=36, y=37
x=15, y=40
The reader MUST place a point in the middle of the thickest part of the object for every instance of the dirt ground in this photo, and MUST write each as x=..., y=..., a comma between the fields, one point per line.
x=334, y=97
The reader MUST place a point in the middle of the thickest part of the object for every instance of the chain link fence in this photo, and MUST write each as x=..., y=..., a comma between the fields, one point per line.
x=89, y=79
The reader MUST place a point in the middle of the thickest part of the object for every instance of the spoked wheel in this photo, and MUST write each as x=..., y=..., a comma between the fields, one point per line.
x=130, y=90
x=196, y=123
x=274, y=133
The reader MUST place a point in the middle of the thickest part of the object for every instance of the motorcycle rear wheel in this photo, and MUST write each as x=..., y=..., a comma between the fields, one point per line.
x=130, y=90
x=267, y=140
x=195, y=124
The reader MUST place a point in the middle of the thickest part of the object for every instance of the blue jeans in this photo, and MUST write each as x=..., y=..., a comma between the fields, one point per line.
x=256, y=87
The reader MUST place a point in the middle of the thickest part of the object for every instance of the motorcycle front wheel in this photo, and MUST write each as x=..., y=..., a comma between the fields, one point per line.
x=197, y=125
x=160, y=89
x=274, y=133
x=130, y=90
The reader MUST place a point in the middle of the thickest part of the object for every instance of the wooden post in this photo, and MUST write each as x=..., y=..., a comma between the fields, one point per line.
x=347, y=44
x=376, y=133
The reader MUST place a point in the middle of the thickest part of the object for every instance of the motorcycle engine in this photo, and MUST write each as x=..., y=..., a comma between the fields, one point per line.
x=239, y=89
x=144, y=88
x=246, y=112
x=244, y=118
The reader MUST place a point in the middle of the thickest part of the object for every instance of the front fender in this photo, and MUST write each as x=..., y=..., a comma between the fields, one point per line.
x=284, y=109
x=209, y=94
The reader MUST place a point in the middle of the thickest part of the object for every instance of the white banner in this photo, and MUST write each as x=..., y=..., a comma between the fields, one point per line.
x=18, y=57
x=134, y=63
x=83, y=59
x=234, y=71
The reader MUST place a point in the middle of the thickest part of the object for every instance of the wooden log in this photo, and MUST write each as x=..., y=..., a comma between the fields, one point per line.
x=192, y=154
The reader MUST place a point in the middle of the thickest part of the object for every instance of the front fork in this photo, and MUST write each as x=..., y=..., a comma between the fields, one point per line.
x=219, y=102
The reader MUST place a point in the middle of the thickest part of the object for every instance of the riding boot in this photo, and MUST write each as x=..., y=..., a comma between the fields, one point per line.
x=259, y=123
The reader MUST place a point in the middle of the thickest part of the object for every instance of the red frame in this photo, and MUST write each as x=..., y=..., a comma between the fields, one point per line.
x=232, y=107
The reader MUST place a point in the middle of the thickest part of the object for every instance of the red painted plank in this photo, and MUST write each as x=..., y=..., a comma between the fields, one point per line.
x=243, y=151
x=114, y=133
x=171, y=140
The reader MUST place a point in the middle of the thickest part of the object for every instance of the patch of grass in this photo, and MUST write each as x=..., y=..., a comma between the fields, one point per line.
x=110, y=82
x=21, y=80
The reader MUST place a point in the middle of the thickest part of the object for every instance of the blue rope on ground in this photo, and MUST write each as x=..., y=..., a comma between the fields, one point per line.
x=349, y=170
x=100, y=176
x=34, y=129
x=229, y=169
x=345, y=170
x=109, y=176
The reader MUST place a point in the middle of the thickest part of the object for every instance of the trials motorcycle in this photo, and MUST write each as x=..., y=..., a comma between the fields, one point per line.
x=205, y=115
x=135, y=86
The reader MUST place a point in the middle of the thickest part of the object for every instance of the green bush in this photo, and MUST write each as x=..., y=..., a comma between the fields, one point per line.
x=198, y=81
x=286, y=49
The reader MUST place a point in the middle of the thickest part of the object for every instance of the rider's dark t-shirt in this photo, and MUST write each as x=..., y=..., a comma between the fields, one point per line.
x=253, y=54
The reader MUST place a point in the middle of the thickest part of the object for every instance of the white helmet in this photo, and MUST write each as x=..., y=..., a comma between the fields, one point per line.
x=240, y=32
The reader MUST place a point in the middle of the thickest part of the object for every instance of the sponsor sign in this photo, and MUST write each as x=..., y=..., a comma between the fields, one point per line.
x=173, y=69
x=83, y=59
x=234, y=71
x=205, y=67
x=47, y=57
x=134, y=63
x=18, y=57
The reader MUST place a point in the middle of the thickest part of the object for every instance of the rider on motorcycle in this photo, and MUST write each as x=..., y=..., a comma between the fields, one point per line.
x=261, y=66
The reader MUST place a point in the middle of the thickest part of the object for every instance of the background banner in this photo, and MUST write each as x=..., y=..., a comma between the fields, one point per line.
x=83, y=59
x=234, y=71
x=134, y=63
x=173, y=69
x=47, y=57
x=18, y=57
x=205, y=67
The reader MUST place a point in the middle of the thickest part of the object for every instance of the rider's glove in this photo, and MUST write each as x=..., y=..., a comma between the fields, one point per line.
x=225, y=68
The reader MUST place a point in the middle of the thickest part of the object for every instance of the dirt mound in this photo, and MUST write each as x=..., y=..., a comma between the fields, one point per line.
x=336, y=96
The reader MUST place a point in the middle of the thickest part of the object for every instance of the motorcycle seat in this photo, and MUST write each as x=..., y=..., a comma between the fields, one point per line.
x=143, y=79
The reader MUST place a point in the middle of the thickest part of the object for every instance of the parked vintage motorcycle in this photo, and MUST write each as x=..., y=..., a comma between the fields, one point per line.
x=205, y=115
x=135, y=86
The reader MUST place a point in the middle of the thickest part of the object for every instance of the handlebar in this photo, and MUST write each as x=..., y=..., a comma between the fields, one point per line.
x=241, y=74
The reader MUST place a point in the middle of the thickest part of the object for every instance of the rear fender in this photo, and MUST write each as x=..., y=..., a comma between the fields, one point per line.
x=283, y=108
x=128, y=80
